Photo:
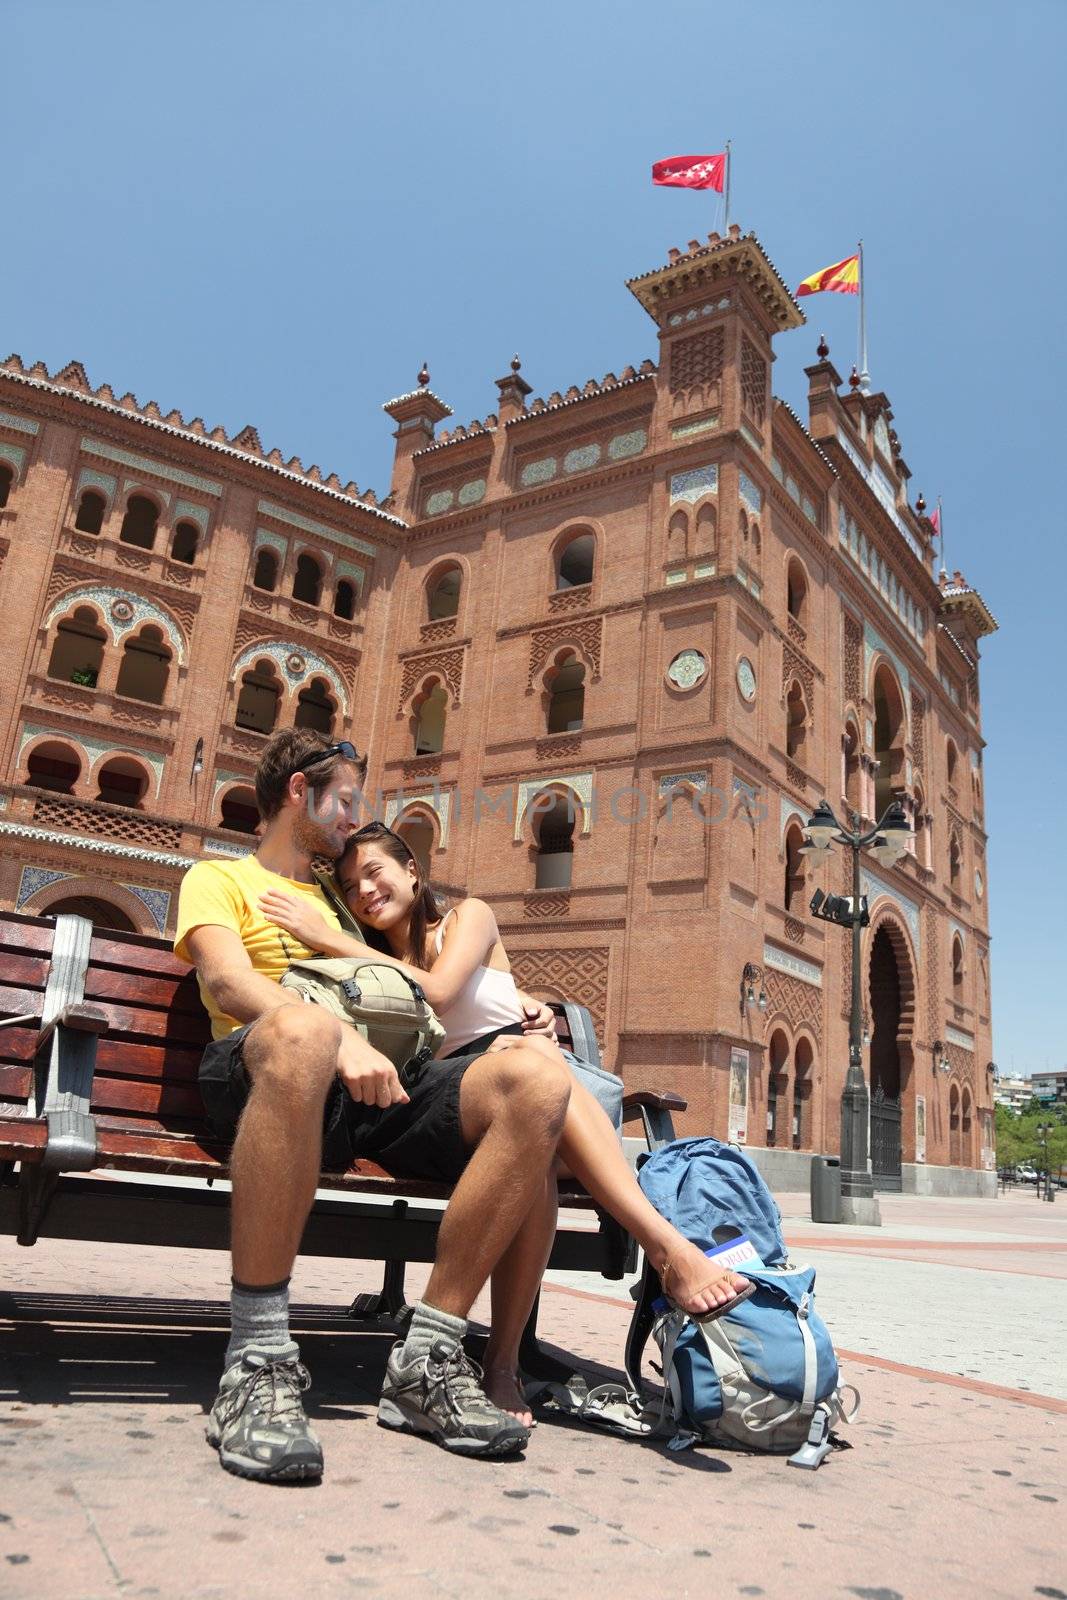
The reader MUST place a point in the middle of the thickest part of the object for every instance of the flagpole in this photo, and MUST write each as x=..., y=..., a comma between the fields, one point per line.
x=726, y=223
x=865, y=377
x=941, y=534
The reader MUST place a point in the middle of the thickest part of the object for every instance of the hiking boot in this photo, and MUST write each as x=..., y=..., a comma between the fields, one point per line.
x=439, y=1394
x=257, y=1423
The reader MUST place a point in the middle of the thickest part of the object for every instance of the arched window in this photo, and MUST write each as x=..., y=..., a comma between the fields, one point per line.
x=554, y=833
x=707, y=531
x=757, y=541
x=678, y=536
x=442, y=594
x=955, y=859
x=777, y=1088
x=574, y=562
x=966, y=1151
x=796, y=721
x=140, y=522
x=265, y=572
x=259, y=699
x=344, y=600
x=853, y=787
x=145, y=667
x=888, y=738
x=430, y=711
x=951, y=761
x=7, y=479
x=566, y=696
x=922, y=828
x=78, y=652
x=183, y=546
x=803, y=1057
x=53, y=766
x=122, y=782
x=954, y=1127
x=307, y=584
x=794, y=869
x=417, y=832
x=742, y=527
x=240, y=812
x=315, y=707
x=796, y=591
x=957, y=969
x=91, y=509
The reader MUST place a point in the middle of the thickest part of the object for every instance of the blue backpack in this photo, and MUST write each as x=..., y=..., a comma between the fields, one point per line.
x=763, y=1376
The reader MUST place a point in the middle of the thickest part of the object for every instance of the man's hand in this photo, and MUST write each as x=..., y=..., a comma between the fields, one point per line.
x=370, y=1078
x=537, y=1018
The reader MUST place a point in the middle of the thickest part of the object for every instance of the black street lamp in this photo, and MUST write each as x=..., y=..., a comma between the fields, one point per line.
x=888, y=842
x=1043, y=1131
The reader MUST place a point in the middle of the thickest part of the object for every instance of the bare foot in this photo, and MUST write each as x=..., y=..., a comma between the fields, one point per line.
x=695, y=1285
x=502, y=1388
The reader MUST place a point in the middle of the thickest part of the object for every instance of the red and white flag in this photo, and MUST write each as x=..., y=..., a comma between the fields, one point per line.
x=691, y=172
x=935, y=518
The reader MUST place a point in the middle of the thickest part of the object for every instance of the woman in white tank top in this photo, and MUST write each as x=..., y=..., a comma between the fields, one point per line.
x=459, y=961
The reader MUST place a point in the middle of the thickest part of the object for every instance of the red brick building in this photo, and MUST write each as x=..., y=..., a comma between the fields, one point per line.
x=606, y=650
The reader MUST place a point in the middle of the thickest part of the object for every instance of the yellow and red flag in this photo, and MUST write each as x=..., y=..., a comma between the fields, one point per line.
x=691, y=172
x=843, y=277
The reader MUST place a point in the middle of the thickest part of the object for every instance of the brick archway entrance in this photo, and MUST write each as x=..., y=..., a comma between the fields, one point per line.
x=885, y=1063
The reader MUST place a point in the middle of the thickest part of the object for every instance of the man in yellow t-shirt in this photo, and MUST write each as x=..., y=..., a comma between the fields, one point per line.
x=295, y=1090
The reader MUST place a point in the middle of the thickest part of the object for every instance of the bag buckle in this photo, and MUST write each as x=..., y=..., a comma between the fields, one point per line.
x=816, y=1446
x=351, y=991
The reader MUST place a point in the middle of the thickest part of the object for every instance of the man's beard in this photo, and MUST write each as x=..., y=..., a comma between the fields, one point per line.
x=310, y=836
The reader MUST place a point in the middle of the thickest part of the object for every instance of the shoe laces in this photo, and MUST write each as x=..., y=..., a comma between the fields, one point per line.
x=272, y=1390
x=459, y=1378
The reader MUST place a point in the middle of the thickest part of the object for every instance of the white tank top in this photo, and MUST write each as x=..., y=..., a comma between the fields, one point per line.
x=488, y=1000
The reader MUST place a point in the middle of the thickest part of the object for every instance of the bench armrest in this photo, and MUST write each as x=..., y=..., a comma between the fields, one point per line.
x=64, y=1066
x=79, y=1018
x=654, y=1110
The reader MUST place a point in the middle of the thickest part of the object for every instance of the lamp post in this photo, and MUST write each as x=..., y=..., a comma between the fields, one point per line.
x=888, y=842
x=1043, y=1131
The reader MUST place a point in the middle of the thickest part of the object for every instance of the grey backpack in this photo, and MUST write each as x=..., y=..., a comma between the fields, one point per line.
x=386, y=1007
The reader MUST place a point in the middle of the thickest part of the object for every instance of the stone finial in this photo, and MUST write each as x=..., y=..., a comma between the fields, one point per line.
x=854, y=379
x=424, y=376
x=516, y=364
x=920, y=505
x=822, y=349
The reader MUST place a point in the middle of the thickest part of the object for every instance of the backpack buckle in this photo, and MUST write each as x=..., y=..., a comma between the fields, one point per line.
x=351, y=991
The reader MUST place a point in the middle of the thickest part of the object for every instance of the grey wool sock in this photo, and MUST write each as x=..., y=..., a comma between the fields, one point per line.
x=427, y=1326
x=258, y=1315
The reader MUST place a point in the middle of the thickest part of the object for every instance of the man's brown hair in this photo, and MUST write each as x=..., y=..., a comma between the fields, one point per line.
x=282, y=755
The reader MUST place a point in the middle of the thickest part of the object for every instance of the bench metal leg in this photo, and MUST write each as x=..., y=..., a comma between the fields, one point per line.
x=387, y=1310
x=37, y=1185
x=641, y=1324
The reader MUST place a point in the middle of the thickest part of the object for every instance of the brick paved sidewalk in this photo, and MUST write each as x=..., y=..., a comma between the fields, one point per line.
x=952, y=1487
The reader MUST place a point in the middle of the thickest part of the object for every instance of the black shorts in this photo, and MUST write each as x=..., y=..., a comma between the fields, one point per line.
x=422, y=1139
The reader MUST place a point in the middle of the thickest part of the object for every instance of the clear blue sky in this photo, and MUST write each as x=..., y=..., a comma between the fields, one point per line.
x=273, y=212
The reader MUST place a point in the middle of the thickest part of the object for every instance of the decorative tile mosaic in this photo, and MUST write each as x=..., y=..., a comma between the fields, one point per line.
x=34, y=878
x=872, y=644
x=134, y=486
x=582, y=458
x=694, y=484
x=629, y=444
x=277, y=541
x=86, y=844
x=874, y=887
x=154, y=469
x=356, y=575
x=133, y=610
x=786, y=961
x=296, y=665
x=789, y=810
x=685, y=430
x=319, y=529
x=156, y=900
x=439, y=801
x=223, y=781
x=749, y=493
x=704, y=569
x=687, y=669
x=223, y=847
x=674, y=578
x=699, y=780
x=472, y=492
x=8, y=419
x=89, y=478
x=581, y=784
x=535, y=472
x=751, y=438
x=441, y=500
x=807, y=505
x=185, y=510
x=13, y=453
x=792, y=489
x=960, y=930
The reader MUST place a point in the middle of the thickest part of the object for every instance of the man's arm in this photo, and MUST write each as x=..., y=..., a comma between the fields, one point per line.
x=224, y=967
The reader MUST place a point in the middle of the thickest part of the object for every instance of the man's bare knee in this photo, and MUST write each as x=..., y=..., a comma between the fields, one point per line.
x=295, y=1048
x=538, y=1079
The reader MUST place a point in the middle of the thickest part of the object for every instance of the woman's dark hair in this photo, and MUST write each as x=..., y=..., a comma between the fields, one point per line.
x=426, y=908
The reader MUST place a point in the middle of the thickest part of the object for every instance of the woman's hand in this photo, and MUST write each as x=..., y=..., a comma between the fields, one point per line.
x=297, y=916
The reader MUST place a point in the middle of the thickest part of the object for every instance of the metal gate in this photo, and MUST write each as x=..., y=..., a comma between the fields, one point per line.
x=885, y=1140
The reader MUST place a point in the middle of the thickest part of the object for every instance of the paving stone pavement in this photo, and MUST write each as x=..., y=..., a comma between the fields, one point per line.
x=953, y=1485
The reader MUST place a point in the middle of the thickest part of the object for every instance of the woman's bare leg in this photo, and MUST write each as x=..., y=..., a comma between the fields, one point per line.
x=591, y=1151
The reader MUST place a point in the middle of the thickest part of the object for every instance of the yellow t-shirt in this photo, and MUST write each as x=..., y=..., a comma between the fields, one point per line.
x=225, y=894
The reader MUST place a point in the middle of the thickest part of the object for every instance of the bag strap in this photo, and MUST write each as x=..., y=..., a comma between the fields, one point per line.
x=348, y=922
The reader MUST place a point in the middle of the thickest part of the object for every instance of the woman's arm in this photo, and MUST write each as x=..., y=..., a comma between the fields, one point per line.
x=297, y=916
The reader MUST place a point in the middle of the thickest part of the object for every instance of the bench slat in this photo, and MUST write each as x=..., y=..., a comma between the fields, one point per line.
x=172, y=995
x=131, y=952
x=19, y=936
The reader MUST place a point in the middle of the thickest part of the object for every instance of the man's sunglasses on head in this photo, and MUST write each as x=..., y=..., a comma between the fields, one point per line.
x=344, y=747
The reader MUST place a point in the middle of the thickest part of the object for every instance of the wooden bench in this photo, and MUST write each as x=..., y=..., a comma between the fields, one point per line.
x=101, y=1035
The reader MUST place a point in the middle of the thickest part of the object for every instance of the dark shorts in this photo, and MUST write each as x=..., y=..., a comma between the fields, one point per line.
x=422, y=1139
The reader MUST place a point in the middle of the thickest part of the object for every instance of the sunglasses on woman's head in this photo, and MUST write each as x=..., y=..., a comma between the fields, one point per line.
x=344, y=747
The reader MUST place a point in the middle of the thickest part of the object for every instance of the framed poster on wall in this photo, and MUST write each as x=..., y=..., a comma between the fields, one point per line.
x=920, y=1127
x=738, y=1125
